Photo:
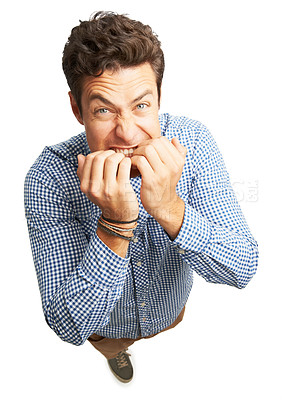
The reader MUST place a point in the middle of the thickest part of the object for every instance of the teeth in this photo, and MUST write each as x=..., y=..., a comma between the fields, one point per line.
x=126, y=152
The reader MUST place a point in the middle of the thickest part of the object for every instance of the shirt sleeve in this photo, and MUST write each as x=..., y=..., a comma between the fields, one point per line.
x=80, y=279
x=215, y=239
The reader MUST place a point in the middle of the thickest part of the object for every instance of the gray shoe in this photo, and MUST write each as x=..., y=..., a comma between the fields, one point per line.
x=121, y=366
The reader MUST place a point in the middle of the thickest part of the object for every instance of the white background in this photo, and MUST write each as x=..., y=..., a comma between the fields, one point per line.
x=223, y=67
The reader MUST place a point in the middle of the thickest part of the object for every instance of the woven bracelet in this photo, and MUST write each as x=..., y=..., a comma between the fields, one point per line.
x=116, y=227
x=110, y=231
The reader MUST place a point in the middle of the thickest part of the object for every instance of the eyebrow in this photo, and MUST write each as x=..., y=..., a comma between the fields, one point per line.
x=147, y=92
x=97, y=96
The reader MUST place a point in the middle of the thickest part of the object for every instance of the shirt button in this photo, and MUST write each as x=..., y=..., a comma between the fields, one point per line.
x=135, y=240
x=138, y=263
x=181, y=251
x=144, y=319
x=143, y=304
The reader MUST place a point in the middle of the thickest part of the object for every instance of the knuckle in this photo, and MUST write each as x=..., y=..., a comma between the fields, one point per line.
x=125, y=163
x=110, y=161
x=114, y=158
x=121, y=192
x=98, y=159
x=162, y=174
x=125, y=160
x=90, y=156
x=108, y=193
x=163, y=139
x=148, y=149
x=175, y=169
x=95, y=187
x=141, y=160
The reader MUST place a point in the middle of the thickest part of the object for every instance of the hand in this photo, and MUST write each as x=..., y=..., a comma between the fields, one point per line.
x=105, y=179
x=160, y=163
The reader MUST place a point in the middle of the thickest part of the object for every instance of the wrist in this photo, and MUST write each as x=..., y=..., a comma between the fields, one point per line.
x=171, y=216
x=126, y=216
x=116, y=244
x=119, y=229
x=119, y=222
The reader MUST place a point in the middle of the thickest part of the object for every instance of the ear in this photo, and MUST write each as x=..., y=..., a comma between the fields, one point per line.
x=75, y=109
x=159, y=99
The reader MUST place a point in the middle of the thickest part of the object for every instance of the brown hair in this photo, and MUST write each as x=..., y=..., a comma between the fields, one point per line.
x=109, y=41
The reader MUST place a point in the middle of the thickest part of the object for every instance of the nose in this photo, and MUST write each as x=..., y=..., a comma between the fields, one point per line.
x=126, y=129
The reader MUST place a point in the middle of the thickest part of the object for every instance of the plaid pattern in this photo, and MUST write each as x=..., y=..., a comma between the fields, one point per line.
x=85, y=287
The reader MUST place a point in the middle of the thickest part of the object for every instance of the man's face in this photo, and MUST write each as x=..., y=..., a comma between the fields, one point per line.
x=119, y=109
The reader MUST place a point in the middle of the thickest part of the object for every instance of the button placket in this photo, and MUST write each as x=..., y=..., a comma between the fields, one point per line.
x=142, y=287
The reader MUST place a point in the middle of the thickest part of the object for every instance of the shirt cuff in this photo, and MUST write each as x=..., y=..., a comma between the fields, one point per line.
x=102, y=266
x=195, y=232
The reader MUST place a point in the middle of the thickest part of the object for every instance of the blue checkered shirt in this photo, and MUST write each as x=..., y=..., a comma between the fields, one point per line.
x=87, y=288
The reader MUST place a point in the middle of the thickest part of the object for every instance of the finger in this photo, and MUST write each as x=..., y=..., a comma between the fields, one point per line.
x=123, y=175
x=97, y=168
x=168, y=152
x=176, y=143
x=111, y=165
x=142, y=164
x=163, y=147
x=81, y=161
x=85, y=172
x=151, y=154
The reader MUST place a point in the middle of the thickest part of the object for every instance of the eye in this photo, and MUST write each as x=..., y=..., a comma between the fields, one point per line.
x=102, y=111
x=141, y=106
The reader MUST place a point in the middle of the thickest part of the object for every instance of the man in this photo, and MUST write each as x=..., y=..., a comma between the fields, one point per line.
x=121, y=215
